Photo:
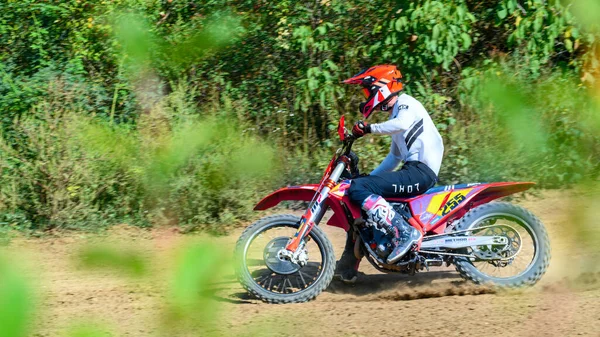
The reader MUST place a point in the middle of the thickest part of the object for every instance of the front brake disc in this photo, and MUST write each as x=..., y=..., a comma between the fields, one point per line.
x=274, y=262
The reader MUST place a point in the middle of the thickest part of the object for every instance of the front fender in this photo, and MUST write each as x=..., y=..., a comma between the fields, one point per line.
x=306, y=193
x=296, y=193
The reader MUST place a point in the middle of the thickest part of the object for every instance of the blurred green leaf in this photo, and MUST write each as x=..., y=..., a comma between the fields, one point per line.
x=587, y=12
x=218, y=31
x=15, y=303
x=136, y=40
x=128, y=262
x=521, y=119
x=87, y=331
x=198, y=273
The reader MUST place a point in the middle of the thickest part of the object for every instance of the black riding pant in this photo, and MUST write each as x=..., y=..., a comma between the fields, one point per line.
x=412, y=179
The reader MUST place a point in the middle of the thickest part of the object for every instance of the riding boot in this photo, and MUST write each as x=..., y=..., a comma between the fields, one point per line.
x=403, y=236
x=346, y=268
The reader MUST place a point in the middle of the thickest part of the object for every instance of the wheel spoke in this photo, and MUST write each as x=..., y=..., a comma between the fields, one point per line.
x=287, y=280
x=263, y=277
x=302, y=278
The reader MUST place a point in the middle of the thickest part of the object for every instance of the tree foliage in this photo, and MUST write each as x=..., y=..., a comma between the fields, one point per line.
x=275, y=68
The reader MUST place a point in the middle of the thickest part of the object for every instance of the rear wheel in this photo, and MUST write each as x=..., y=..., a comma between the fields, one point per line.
x=522, y=261
x=272, y=279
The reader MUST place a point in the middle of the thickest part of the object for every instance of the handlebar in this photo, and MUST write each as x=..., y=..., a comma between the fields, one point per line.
x=348, y=142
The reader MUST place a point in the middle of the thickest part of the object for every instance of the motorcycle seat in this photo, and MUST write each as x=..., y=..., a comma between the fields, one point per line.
x=437, y=189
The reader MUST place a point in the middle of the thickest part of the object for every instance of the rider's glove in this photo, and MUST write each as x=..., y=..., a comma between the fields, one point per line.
x=360, y=129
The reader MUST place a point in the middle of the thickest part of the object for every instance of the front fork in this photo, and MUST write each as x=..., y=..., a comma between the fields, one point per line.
x=314, y=214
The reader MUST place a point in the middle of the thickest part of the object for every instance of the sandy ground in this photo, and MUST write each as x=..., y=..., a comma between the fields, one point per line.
x=566, y=302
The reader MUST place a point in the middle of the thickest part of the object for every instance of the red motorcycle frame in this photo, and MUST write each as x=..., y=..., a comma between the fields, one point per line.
x=430, y=213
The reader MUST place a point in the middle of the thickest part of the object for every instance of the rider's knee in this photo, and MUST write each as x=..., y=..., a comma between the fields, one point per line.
x=358, y=192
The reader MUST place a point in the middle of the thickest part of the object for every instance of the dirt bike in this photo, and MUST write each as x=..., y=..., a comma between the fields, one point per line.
x=488, y=242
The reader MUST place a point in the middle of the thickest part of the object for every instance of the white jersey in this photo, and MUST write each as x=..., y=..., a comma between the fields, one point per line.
x=414, y=136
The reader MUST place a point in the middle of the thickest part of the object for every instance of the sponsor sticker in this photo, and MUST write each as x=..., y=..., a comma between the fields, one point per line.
x=435, y=220
x=426, y=217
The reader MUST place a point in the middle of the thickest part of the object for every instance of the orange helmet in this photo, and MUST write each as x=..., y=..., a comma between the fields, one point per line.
x=380, y=84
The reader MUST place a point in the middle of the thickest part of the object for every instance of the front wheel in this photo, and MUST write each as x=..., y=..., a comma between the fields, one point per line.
x=521, y=262
x=271, y=279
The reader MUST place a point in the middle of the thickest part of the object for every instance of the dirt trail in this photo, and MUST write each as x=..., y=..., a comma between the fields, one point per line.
x=565, y=303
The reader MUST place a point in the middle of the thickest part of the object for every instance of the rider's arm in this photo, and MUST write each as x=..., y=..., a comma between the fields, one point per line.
x=392, y=126
x=402, y=122
x=391, y=161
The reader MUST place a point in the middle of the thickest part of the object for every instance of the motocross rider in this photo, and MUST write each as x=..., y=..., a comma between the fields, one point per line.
x=415, y=141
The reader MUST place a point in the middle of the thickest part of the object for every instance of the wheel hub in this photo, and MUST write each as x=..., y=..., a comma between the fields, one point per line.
x=277, y=262
x=499, y=253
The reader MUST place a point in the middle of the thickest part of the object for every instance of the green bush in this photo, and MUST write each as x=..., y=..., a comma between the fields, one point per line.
x=97, y=98
x=69, y=170
x=49, y=181
x=523, y=127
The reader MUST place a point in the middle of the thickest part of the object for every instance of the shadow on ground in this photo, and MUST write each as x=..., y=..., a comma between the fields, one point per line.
x=371, y=287
x=368, y=284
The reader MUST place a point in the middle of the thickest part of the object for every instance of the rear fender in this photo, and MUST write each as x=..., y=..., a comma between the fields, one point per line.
x=306, y=193
x=499, y=190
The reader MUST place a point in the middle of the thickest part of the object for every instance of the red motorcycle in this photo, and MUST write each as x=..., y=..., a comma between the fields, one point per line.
x=488, y=242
